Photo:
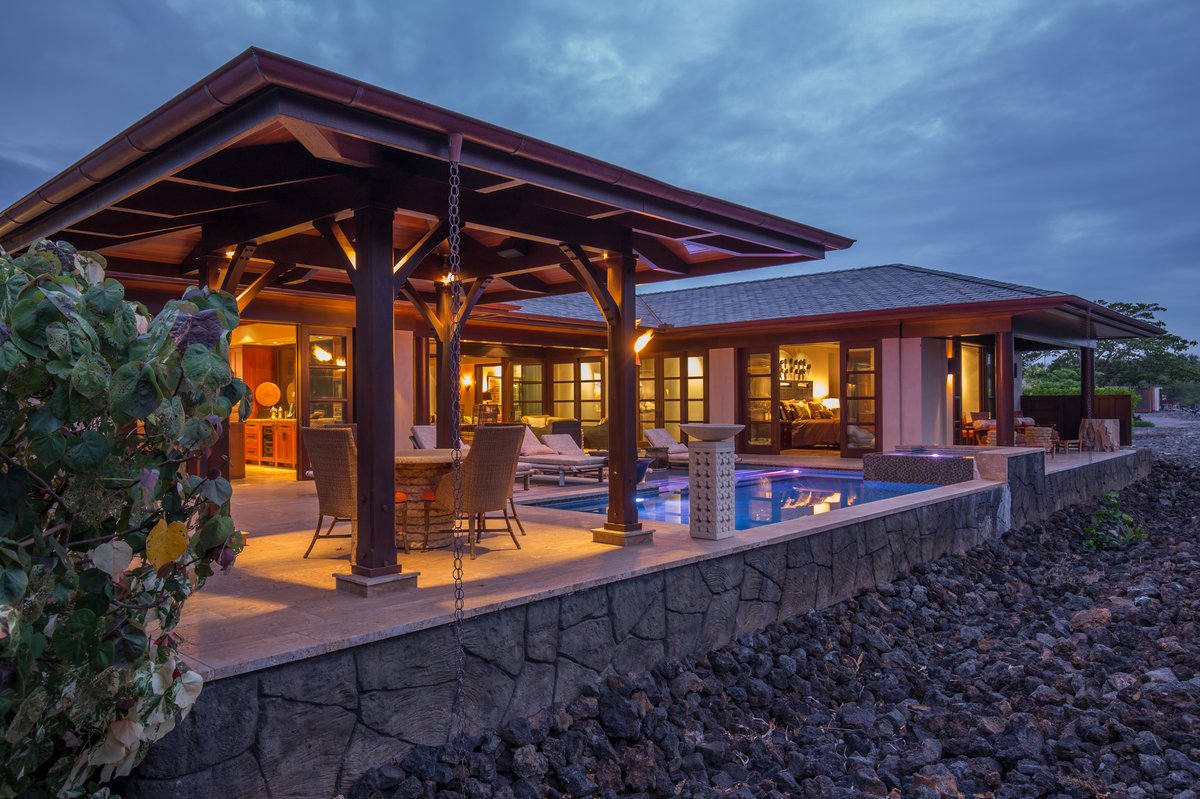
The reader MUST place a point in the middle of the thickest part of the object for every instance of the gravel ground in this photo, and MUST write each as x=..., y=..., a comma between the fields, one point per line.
x=1176, y=436
x=1028, y=668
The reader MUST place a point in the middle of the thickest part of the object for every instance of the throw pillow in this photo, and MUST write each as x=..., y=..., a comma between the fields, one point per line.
x=803, y=412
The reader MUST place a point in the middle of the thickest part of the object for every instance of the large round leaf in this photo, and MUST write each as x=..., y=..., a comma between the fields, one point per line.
x=134, y=393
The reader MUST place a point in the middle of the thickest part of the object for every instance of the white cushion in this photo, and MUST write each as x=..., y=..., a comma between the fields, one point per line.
x=562, y=444
x=660, y=438
x=531, y=445
x=567, y=461
x=426, y=436
x=536, y=421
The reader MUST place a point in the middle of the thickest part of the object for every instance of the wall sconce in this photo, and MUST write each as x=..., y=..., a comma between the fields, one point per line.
x=466, y=381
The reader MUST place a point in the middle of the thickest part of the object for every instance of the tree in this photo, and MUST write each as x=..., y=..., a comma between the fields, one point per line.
x=103, y=534
x=1158, y=360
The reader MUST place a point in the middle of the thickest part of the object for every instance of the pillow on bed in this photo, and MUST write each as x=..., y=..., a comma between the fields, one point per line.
x=803, y=412
x=531, y=445
x=562, y=444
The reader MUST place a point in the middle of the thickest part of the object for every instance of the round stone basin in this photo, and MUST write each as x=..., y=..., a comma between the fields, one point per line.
x=711, y=432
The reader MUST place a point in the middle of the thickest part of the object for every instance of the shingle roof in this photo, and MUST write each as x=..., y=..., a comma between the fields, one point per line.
x=871, y=288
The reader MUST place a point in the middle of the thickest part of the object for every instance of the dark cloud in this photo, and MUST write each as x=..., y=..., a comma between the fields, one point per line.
x=1046, y=143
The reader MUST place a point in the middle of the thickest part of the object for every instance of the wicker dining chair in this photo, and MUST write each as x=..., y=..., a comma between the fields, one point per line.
x=333, y=456
x=488, y=473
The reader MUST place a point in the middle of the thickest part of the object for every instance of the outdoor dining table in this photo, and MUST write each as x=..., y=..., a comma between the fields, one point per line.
x=419, y=471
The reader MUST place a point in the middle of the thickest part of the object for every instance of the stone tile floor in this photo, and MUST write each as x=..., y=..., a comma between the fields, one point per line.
x=275, y=606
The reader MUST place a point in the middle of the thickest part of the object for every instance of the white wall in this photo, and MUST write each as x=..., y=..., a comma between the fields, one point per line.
x=722, y=386
x=891, y=396
x=403, y=389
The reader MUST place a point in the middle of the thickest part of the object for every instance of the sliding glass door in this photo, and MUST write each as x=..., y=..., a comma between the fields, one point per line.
x=759, y=399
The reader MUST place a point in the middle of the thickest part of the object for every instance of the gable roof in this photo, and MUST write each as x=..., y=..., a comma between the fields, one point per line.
x=888, y=287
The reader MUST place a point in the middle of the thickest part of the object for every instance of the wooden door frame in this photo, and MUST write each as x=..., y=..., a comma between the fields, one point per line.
x=302, y=334
x=844, y=373
x=742, y=404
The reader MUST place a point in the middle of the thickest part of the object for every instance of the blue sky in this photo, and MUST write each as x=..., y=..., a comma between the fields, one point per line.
x=1055, y=144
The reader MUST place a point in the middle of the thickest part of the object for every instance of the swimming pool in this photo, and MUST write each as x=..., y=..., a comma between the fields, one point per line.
x=762, y=496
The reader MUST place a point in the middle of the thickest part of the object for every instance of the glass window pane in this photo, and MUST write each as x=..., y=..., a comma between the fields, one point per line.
x=859, y=411
x=860, y=360
x=327, y=350
x=759, y=410
x=591, y=370
x=760, y=364
x=564, y=391
x=695, y=410
x=564, y=371
x=648, y=367
x=591, y=411
x=860, y=385
x=670, y=367
x=590, y=391
x=671, y=388
x=860, y=436
x=671, y=409
x=760, y=434
x=760, y=387
x=673, y=429
x=327, y=382
x=695, y=388
x=695, y=366
x=326, y=413
x=565, y=409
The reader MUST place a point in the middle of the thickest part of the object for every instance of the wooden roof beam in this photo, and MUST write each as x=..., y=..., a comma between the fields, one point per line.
x=232, y=276
x=339, y=243
x=580, y=267
x=329, y=145
x=659, y=256
x=407, y=264
x=247, y=295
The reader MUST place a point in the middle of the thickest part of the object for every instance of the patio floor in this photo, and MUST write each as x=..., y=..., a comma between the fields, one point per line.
x=275, y=606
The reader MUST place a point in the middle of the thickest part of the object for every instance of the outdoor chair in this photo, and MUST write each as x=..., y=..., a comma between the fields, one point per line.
x=659, y=438
x=563, y=457
x=488, y=473
x=424, y=436
x=1040, y=437
x=334, y=459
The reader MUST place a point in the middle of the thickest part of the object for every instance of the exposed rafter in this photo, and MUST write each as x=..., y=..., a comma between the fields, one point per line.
x=237, y=267
x=407, y=264
x=260, y=282
x=330, y=145
x=580, y=267
x=659, y=256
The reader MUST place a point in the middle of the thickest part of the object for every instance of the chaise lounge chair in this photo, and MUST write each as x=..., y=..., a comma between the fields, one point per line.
x=677, y=454
x=560, y=455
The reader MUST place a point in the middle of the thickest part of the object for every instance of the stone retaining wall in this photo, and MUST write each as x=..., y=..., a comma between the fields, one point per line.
x=310, y=728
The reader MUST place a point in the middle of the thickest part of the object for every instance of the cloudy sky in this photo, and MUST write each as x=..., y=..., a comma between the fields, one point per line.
x=1055, y=144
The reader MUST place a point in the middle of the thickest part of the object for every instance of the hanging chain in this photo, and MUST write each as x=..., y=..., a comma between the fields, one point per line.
x=454, y=219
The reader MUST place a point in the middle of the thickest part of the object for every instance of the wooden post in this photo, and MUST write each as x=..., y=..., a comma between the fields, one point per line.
x=373, y=563
x=1087, y=382
x=447, y=369
x=622, y=397
x=420, y=380
x=1005, y=404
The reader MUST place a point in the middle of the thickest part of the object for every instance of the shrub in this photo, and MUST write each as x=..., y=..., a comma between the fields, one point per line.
x=1111, y=527
x=103, y=535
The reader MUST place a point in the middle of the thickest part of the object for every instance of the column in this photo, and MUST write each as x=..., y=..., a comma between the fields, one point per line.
x=1087, y=382
x=711, y=486
x=447, y=369
x=373, y=564
x=420, y=380
x=622, y=526
x=1005, y=401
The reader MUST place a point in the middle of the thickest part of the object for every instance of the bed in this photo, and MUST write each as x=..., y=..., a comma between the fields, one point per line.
x=808, y=424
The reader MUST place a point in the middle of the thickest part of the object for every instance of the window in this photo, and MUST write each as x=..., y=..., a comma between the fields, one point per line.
x=577, y=389
x=526, y=390
x=672, y=391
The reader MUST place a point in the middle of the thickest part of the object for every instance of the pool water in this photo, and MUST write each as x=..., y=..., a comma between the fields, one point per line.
x=762, y=496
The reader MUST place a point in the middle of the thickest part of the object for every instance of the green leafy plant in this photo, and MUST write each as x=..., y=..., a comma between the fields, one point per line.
x=103, y=532
x=1111, y=527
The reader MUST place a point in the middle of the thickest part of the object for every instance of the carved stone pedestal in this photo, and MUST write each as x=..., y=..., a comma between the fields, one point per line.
x=711, y=484
x=1100, y=435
